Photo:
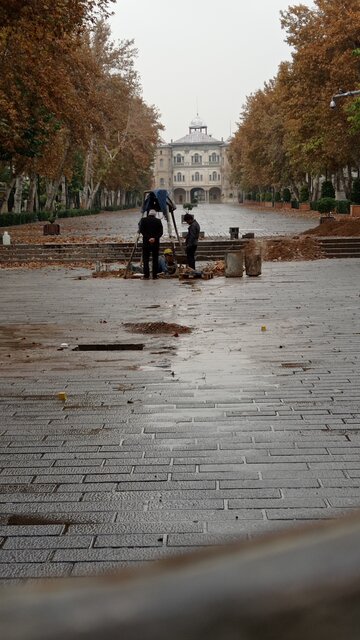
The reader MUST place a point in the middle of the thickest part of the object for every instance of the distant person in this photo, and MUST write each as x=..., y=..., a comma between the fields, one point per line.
x=191, y=240
x=151, y=230
x=167, y=263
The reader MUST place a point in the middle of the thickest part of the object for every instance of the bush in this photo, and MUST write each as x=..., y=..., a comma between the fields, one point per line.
x=325, y=205
x=355, y=192
x=268, y=196
x=277, y=197
x=286, y=195
x=12, y=219
x=327, y=190
x=304, y=193
x=343, y=206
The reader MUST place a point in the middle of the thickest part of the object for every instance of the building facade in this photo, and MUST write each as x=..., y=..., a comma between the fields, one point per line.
x=195, y=168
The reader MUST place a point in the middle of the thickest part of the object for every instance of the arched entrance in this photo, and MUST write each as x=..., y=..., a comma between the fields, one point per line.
x=215, y=194
x=197, y=194
x=179, y=196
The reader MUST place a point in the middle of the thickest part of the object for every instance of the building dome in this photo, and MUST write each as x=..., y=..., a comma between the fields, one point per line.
x=197, y=123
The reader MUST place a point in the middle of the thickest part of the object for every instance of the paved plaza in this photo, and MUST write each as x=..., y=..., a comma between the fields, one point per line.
x=215, y=220
x=223, y=433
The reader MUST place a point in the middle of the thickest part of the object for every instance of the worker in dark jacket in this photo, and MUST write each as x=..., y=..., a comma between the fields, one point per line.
x=151, y=229
x=192, y=238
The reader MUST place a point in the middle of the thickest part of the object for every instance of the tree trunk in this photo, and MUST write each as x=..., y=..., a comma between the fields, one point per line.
x=88, y=174
x=32, y=192
x=51, y=191
x=63, y=192
x=9, y=188
x=315, y=188
x=19, y=183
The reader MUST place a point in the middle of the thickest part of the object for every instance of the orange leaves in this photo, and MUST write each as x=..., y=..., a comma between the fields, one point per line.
x=288, y=130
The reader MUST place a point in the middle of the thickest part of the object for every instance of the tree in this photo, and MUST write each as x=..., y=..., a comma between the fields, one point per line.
x=327, y=189
x=39, y=80
x=287, y=134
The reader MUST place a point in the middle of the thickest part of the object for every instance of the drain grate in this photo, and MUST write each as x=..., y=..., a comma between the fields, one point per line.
x=138, y=346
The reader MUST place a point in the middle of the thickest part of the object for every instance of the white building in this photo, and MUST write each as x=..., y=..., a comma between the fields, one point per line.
x=195, y=167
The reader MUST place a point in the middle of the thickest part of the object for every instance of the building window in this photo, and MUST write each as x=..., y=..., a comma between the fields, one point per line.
x=178, y=159
x=162, y=182
x=214, y=175
x=196, y=159
x=161, y=163
x=179, y=177
x=161, y=153
x=183, y=178
x=197, y=176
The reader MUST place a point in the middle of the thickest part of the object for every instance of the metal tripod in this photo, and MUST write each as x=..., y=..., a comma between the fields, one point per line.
x=170, y=232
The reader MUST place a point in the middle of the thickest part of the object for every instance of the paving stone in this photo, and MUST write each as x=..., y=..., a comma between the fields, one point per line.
x=48, y=542
x=31, y=570
x=85, y=569
x=118, y=554
x=137, y=527
x=129, y=541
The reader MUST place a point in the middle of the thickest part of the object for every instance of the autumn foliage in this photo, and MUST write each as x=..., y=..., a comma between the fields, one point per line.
x=287, y=135
x=72, y=119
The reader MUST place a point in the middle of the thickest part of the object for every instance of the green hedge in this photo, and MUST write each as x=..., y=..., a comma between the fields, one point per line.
x=12, y=219
x=325, y=205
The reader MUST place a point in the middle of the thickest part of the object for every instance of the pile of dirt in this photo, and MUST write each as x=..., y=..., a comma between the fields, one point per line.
x=289, y=249
x=347, y=227
x=156, y=327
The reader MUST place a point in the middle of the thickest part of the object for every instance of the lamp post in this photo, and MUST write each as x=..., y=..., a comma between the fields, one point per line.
x=342, y=94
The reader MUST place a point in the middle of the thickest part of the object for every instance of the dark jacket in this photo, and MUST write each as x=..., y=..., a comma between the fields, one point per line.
x=151, y=227
x=193, y=234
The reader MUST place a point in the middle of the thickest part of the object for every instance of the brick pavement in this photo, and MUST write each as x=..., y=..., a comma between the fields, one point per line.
x=225, y=433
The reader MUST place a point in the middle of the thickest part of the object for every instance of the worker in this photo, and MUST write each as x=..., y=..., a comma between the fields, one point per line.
x=151, y=229
x=191, y=239
x=167, y=263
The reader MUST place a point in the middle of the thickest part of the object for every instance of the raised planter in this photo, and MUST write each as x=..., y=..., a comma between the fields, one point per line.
x=355, y=210
x=51, y=229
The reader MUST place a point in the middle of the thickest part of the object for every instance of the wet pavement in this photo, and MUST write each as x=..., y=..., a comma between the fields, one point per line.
x=248, y=424
x=215, y=220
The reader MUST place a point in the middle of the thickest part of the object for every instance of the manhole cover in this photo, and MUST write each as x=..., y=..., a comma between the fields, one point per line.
x=110, y=347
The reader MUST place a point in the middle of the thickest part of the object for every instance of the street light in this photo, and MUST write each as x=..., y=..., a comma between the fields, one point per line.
x=342, y=94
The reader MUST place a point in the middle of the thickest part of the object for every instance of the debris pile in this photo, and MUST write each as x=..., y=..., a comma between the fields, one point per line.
x=215, y=268
x=294, y=248
x=340, y=228
x=156, y=327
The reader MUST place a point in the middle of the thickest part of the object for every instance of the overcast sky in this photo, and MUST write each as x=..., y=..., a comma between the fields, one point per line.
x=203, y=56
